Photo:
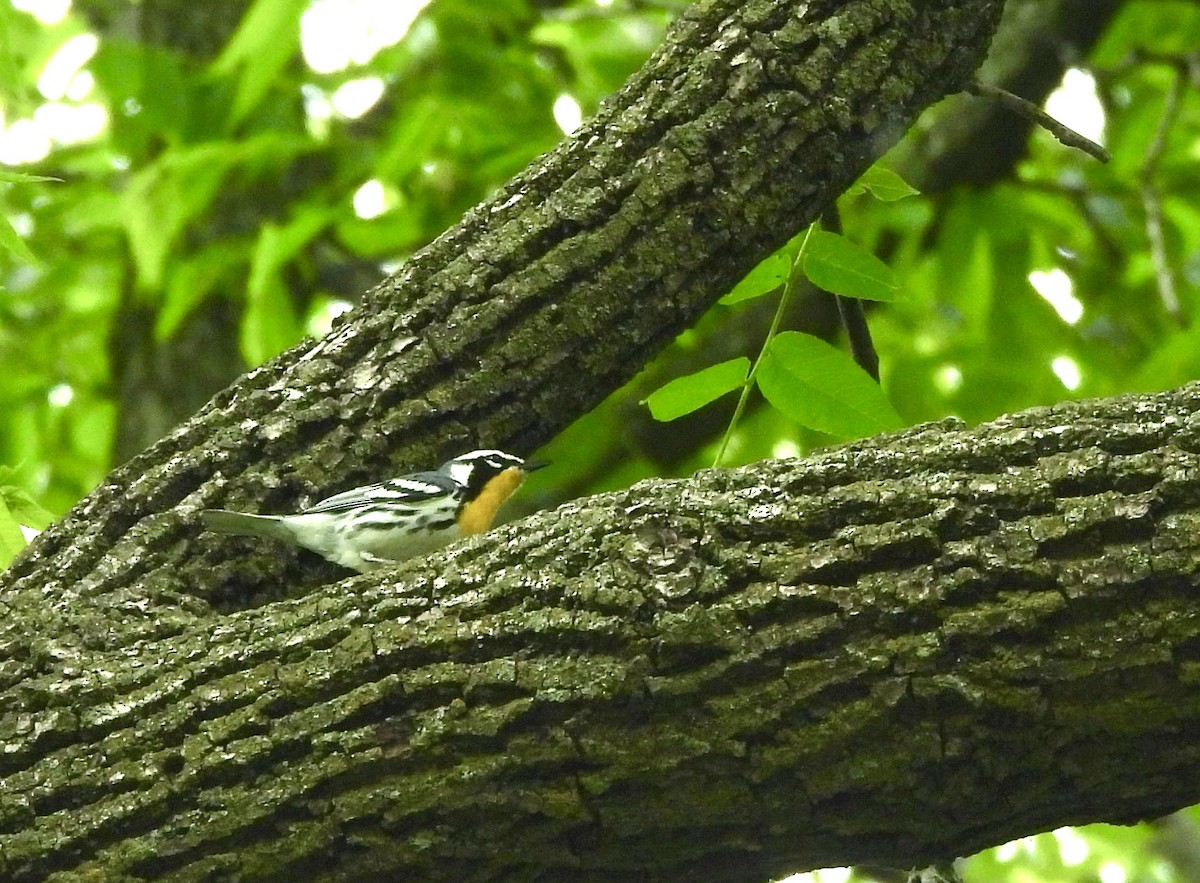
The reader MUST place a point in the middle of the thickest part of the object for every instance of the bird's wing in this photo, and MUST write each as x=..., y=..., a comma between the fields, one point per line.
x=409, y=489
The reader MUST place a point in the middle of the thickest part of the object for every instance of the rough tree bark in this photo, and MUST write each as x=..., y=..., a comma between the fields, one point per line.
x=893, y=652
x=899, y=650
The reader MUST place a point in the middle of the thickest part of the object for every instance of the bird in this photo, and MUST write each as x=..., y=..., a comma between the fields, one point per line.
x=378, y=524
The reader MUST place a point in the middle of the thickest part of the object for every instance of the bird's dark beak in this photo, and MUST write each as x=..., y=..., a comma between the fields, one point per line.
x=534, y=465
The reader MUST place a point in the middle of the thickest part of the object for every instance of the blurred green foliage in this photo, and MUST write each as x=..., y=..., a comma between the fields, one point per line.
x=223, y=174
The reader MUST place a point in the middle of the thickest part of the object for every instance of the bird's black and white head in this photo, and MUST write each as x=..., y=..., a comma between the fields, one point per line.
x=488, y=477
x=475, y=469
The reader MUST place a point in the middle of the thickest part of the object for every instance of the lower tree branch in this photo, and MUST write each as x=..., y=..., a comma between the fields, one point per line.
x=893, y=652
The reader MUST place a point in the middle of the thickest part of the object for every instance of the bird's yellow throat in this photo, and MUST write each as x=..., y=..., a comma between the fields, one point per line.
x=477, y=515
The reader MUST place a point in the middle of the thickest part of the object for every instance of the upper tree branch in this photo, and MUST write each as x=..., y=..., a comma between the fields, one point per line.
x=749, y=120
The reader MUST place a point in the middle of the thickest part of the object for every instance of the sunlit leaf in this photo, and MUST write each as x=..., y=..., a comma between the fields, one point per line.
x=276, y=245
x=12, y=541
x=683, y=395
x=21, y=178
x=154, y=81
x=161, y=199
x=420, y=125
x=822, y=388
x=885, y=185
x=604, y=50
x=165, y=196
x=836, y=264
x=17, y=508
x=1163, y=28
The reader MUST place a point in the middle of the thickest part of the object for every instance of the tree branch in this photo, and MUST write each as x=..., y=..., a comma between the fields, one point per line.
x=750, y=119
x=886, y=653
x=1065, y=135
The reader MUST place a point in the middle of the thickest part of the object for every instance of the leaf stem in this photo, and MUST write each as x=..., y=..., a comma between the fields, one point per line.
x=788, y=287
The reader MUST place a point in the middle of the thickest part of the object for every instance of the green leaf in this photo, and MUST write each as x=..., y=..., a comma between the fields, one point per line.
x=170, y=193
x=603, y=51
x=836, y=264
x=265, y=41
x=395, y=231
x=10, y=239
x=21, y=178
x=420, y=125
x=1162, y=28
x=23, y=508
x=277, y=245
x=16, y=509
x=269, y=325
x=190, y=278
x=763, y=279
x=162, y=198
x=885, y=185
x=158, y=83
x=821, y=387
x=12, y=541
x=693, y=391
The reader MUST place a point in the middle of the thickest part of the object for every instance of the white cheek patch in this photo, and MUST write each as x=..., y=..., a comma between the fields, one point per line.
x=461, y=472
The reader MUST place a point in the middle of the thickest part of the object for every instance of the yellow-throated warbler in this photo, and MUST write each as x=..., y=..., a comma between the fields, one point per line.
x=377, y=524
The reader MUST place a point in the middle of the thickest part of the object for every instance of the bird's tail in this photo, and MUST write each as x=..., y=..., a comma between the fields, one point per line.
x=243, y=524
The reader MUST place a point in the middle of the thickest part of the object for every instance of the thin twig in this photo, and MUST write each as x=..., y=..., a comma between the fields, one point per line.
x=1031, y=111
x=788, y=287
x=1152, y=200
